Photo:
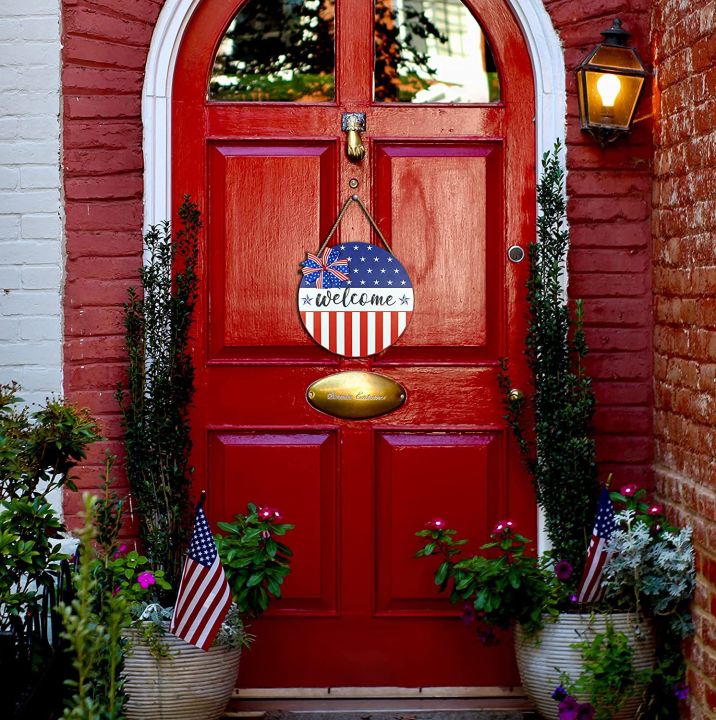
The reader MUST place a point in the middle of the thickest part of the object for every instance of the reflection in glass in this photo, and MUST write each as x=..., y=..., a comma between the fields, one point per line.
x=277, y=50
x=432, y=51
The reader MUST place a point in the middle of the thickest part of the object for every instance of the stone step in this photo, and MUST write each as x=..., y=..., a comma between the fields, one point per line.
x=367, y=714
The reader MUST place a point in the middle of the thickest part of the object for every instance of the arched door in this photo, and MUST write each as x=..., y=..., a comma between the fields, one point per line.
x=260, y=89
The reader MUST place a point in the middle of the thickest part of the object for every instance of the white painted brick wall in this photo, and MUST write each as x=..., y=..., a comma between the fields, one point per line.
x=31, y=242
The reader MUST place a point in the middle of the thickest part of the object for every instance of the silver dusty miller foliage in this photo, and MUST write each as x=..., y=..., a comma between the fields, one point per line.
x=651, y=571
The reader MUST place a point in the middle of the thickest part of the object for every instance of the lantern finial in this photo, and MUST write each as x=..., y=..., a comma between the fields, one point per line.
x=616, y=35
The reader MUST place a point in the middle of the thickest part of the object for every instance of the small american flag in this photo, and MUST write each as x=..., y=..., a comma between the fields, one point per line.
x=597, y=555
x=355, y=299
x=204, y=596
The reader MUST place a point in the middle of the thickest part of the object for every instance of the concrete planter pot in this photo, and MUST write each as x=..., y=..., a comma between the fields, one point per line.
x=188, y=684
x=541, y=659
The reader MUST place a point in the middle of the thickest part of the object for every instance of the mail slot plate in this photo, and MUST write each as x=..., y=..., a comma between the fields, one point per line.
x=356, y=395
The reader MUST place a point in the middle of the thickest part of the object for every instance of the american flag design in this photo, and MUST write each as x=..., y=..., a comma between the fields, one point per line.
x=597, y=555
x=204, y=597
x=355, y=299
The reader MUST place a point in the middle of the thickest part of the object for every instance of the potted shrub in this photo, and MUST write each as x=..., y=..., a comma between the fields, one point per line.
x=538, y=596
x=155, y=411
x=596, y=659
x=158, y=664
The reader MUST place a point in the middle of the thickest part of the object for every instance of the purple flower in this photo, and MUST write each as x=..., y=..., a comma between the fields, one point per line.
x=121, y=550
x=628, y=490
x=585, y=712
x=681, y=690
x=487, y=637
x=146, y=579
x=563, y=570
x=573, y=598
x=468, y=613
x=568, y=709
x=559, y=694
x=436, y=523
x=655, y=510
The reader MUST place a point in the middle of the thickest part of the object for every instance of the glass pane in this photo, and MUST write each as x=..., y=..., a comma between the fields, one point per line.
x=432, y=51
x=277, y=50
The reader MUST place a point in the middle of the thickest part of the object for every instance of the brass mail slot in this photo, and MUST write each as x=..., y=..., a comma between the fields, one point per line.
x=356, y=395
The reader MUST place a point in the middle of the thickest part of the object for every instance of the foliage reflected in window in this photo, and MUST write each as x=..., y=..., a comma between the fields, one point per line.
x=277, y=50
x=432, y=51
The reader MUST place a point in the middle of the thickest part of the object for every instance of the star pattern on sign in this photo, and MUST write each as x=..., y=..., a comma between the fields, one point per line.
x=307, y=300
x=202, y=548
x=404, y=300
x=366, y=261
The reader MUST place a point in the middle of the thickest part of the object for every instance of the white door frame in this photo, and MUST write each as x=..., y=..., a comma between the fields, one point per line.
x=544, y=47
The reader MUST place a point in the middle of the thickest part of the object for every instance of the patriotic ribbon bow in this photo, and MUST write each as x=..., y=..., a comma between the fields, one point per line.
x=326, y=271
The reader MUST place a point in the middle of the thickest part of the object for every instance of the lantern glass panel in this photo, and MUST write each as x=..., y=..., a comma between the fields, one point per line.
x=619, y=58
x=611, y=98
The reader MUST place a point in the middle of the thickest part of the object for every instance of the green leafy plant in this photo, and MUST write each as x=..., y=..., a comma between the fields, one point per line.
x=505, y=585
x=37, y=453
x=112, y=585
x=608, y=677
x=651, y=572
x=553, y=424
x=94, y=622
x=155, y=405
x=255, y=562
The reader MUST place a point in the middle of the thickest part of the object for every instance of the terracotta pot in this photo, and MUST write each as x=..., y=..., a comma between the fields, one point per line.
x=188, y=684
x=541, y=659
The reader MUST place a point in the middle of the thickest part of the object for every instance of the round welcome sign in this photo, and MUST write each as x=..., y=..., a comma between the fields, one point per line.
x=355, y=299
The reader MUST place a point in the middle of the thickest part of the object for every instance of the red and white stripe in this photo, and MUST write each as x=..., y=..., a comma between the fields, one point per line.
x=356, y=333
x=203, y=601
x=597, y=555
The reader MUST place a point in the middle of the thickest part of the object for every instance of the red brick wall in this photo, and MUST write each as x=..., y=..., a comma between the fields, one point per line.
x=684, y=223
x=105, y=47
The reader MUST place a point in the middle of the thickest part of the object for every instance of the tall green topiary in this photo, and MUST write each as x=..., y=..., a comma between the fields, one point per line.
x=155, y=405
x=553, y=425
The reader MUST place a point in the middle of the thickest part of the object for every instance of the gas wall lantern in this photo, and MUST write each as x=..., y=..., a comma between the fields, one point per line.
x=609, y=82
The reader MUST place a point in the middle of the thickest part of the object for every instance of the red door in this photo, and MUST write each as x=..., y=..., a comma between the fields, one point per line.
x=452, y=187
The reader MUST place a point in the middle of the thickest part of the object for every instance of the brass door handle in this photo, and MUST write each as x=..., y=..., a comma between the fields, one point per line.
x=354, y=124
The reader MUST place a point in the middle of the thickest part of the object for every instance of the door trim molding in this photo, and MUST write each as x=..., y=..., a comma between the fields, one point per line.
x=544, y=47
x=543, y=44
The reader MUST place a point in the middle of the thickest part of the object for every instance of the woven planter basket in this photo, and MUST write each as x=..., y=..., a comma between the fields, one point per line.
x=189, y=684
x=538, y=661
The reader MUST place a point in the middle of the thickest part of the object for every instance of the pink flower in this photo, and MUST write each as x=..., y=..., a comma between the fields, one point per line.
x=655, y=510
x=436, y=524
x=268, y=513
x=507, y=524
x=628, y=490
x=121, y=550
x=146, y=579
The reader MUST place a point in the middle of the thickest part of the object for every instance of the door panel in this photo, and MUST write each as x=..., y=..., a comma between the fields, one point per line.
x=240, y=465
x=452, y=187
x=437, y=202
x=267, y=198
x=426, y=467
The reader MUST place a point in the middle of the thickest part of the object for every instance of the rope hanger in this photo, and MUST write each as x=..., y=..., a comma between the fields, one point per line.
x=369, y=217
